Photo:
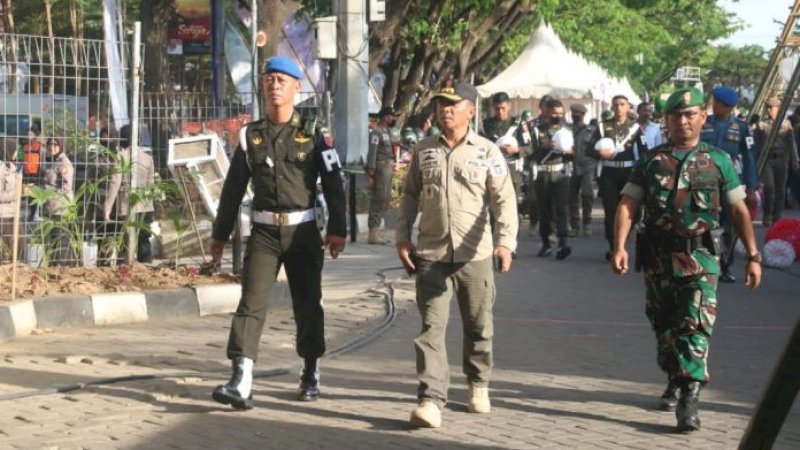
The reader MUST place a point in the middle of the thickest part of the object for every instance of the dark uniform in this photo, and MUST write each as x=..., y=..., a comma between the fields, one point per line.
x=283, y=161
x=733, y=136
x=780, y=157
x=581, y=194
x=551, y=171
x=614, y=173
x=494, y=129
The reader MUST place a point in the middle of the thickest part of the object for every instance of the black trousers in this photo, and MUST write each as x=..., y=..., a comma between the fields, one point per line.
x=299, y=249
x=609, y=185
x=774, y=178
x=552, y=192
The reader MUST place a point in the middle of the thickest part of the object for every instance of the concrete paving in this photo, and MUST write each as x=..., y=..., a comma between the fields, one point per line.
x=575, y=368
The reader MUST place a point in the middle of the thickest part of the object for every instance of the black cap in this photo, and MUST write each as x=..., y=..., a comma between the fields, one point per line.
x=499, y=97
x=577, y=108
x=386, y=111
x=461, y=91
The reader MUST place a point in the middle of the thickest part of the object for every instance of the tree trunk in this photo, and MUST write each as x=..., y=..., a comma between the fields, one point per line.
x=76, y=22
x=271, y=16
x=155, y=15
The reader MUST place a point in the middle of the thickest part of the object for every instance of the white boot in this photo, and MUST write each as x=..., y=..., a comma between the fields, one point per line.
x=479, y=400
x=426, y=415
x=238, y=392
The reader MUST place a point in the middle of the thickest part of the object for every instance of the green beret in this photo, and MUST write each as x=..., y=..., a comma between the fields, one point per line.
x=684, y=98
x=660, y=105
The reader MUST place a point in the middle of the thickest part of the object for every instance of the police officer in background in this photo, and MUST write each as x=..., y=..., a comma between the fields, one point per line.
x=380, y=168
x=724, y=131
x=551, y=164
x=780, y=157
x=499, y=127
x=617, y=156
x=682, y=186
x=581, y=193
x=283, y=155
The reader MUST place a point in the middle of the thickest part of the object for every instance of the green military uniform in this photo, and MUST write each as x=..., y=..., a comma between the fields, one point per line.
x=581, y=190
x=683, y=191
x=283, y=161
x=380, y=159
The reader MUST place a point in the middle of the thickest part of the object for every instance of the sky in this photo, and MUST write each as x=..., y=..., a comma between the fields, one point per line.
x=758, y=15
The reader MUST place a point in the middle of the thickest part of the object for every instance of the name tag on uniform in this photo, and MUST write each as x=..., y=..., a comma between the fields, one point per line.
x=749, y=141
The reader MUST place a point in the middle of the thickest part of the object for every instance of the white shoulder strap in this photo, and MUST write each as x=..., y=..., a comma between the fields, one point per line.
x=243, y=138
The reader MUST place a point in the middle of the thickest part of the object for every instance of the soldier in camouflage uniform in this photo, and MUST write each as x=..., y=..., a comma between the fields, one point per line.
x=498, y=126
x=380, y=168
x=682, y=186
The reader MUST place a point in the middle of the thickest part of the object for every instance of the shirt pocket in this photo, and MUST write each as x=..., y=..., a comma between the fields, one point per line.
x=705, y=197
x=472, y=178
x=431, y=186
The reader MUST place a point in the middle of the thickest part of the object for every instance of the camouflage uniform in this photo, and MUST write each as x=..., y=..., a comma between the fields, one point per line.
x=682, y=192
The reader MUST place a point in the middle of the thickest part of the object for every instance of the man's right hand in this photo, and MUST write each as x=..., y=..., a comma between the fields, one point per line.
x=404, y=249
x=216, y=247
x=619, y=262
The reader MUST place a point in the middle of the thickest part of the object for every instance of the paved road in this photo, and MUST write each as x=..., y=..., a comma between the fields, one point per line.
x=575, y=368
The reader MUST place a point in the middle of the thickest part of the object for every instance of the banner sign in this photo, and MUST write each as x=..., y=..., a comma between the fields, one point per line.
x=190, y=28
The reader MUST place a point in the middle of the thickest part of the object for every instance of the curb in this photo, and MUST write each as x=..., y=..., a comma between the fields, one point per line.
x=23, y=317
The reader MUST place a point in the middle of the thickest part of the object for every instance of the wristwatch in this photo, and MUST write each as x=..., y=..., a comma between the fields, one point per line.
x=755, y=257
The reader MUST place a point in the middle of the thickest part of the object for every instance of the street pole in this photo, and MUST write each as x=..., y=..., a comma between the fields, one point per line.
x=351, y=97
x=133, y=233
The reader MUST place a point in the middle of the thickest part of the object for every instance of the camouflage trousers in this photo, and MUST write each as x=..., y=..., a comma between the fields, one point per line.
x=682, y=311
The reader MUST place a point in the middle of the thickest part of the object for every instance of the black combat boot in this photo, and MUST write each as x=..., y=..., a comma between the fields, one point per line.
x=239, y=390
x=669, y=399
x=687, y=410
x=726, y=276
x=546, y=249
x=309, y=382
x=563, y=249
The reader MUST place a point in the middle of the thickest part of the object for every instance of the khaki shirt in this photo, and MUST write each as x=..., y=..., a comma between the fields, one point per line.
x=380, y=147
x=454, y=190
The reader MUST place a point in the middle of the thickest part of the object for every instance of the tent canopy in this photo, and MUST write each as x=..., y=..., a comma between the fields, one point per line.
x=546, y=66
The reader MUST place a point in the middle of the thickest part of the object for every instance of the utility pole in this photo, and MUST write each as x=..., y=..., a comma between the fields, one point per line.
x=352, y=81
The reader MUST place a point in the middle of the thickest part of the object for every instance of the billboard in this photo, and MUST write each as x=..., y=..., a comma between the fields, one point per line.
x=190, y=28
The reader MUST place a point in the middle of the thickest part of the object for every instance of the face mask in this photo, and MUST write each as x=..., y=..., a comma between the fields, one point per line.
x=555, y=120
x=392, y=122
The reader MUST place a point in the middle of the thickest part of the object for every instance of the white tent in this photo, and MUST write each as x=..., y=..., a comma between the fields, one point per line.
x=546, y=66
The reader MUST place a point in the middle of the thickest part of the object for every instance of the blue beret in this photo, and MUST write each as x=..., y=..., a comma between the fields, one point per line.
x=283, y=64
x=725, y=95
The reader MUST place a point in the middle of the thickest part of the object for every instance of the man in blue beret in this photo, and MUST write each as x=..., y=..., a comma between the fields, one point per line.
x=283, y=154
x=723, y=130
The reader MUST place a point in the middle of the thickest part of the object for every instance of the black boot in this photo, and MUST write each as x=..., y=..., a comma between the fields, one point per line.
x=546, y=249
x=687, y=410
x=726, y=276
x=309, y=381
x=669, y=399
x=238, y=392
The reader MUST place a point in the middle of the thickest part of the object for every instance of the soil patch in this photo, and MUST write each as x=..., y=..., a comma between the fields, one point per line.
x=35, y=283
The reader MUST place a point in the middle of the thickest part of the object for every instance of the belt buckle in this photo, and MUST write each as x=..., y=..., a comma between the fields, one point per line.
x=283, y=219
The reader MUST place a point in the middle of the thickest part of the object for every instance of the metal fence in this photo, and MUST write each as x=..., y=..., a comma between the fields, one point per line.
x=57, y=90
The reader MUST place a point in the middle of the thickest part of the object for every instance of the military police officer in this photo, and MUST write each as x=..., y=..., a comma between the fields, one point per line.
x=617, y=155
x=283, y=155
x=726, y=132
x=682, y=186
x=380, y=168
x=551, y=164
x=581, y=192
x=502, y=129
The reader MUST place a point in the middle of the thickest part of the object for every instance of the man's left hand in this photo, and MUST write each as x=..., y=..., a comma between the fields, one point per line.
x=335, y=244
x=502, y=258
x=510, y=149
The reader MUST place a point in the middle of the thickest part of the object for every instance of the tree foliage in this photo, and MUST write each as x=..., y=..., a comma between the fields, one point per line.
x=737, y=67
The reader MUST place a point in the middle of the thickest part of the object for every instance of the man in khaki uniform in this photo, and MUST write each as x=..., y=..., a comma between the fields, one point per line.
x=455, y=180
x=780, y=157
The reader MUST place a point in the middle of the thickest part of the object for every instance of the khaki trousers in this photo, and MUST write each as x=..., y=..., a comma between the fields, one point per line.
x=473, y=285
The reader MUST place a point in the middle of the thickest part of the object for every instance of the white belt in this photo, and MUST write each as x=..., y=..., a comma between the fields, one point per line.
x=618, y=164
x=551, y=167
x=283, y=219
